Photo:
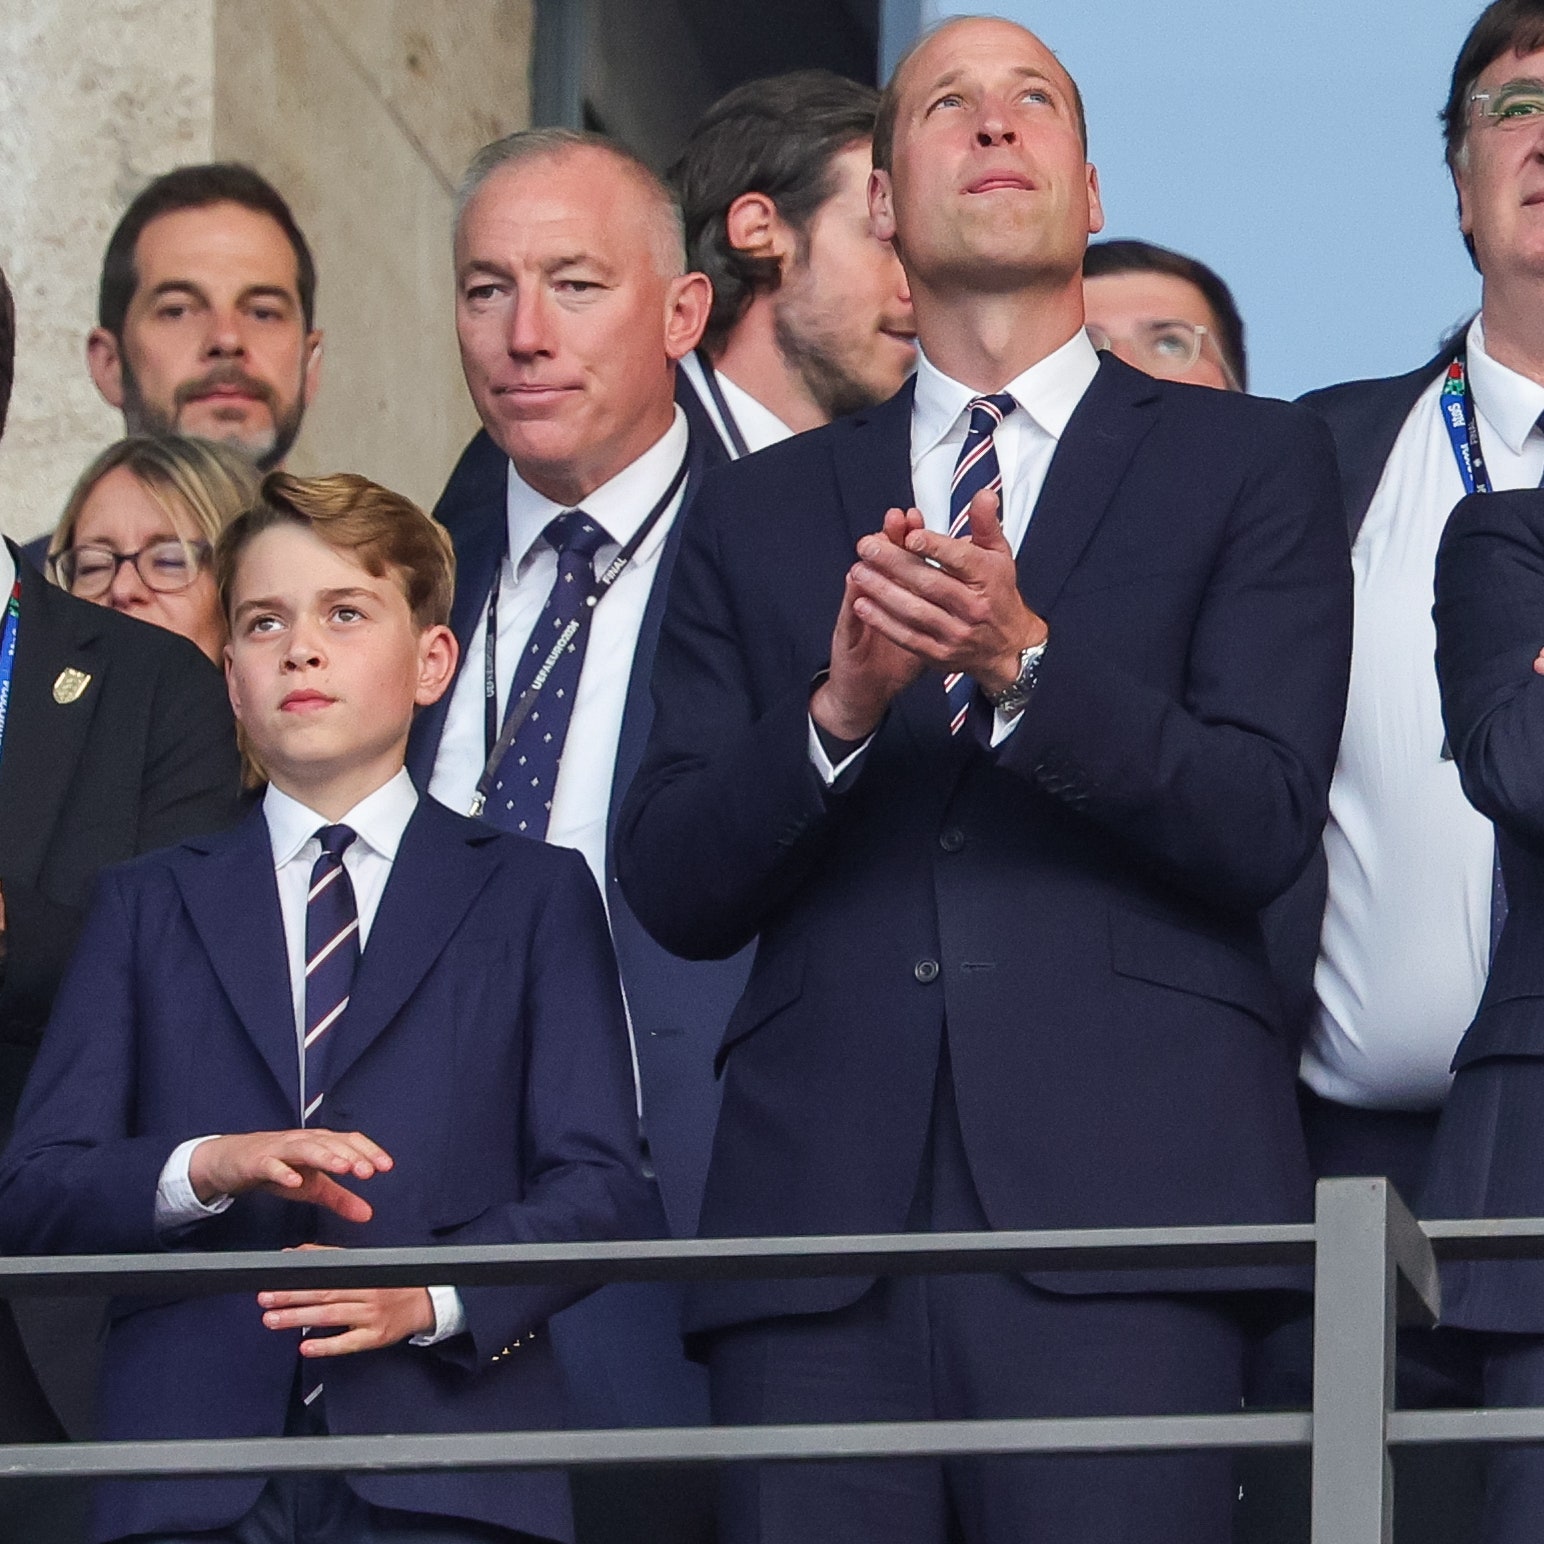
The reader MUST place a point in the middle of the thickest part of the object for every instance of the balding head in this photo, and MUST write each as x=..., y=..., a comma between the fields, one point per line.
x=884, y=128
x=528, y=146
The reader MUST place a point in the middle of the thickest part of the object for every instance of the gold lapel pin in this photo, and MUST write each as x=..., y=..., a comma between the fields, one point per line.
x=70, y=684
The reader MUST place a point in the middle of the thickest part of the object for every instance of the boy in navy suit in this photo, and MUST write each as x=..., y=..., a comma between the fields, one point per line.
x=355, y=994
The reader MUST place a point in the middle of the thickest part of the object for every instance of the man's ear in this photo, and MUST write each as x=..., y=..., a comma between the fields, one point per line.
x=1095, y=202
x=881, y=201
x=755, y=228
x=104, y=359
x=437, y=655
x=688, y=301
x=313, y=371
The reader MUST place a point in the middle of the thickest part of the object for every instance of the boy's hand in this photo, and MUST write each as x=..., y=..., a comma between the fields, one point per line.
x=369, y=1318
x=297, y=1165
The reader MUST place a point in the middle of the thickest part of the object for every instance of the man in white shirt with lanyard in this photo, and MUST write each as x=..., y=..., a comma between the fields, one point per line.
x=573, y=307
x=811, y=315
x=1383, y=947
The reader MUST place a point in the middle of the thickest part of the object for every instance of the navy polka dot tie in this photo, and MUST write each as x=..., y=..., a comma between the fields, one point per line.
x=527, y=777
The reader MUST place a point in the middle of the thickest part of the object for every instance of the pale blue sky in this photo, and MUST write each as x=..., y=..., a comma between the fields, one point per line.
x=1295, y=148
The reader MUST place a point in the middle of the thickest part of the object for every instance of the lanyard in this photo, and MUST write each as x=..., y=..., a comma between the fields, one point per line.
x=1463, y=425
x=731, y=423
x=8, y=654
x=498, y=742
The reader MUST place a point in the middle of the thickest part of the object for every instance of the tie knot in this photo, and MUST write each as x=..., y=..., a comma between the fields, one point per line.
x=335, y=840
x=574, y=531
x=986, y=413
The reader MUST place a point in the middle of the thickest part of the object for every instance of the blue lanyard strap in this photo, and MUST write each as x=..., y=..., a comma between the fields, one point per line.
x=1463, y=426
x=8, y=654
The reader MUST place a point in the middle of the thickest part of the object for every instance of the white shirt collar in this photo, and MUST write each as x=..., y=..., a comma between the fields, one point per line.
x=7, y=568
x=379, y=819
x=1510, y=402
x=619, y=507
x=1049, y=391
x=760, y=425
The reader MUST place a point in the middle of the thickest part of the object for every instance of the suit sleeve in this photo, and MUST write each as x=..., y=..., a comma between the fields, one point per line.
x=1490, y=627
x=582, y=1160
x=1225, y=788
x=72, y=1181
x=728, y=812
x=189, y=785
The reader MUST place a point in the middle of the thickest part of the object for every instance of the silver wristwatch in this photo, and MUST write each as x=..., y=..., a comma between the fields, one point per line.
x=1013, y=699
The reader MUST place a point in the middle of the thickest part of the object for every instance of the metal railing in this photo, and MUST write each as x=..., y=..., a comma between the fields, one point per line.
x=1373, y=1266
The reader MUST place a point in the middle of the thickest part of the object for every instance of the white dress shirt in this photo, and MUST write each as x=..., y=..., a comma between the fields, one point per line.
x=7, y=571
x=759, y=426
x=1405, y=945
x=378, y=822
x=582, y=797
x=1047, y=394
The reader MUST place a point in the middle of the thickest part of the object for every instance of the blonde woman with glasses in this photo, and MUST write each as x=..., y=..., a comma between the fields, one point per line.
x=140, y=525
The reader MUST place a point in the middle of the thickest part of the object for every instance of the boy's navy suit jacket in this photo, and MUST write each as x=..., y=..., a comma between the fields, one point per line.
x=484, y=1047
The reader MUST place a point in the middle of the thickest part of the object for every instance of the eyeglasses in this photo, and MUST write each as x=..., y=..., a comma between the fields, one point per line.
x=1165, y=349
x=1518, y=104
x=166, y=566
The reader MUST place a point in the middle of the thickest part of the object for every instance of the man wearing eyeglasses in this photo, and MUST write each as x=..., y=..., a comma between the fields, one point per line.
x=1383, y=948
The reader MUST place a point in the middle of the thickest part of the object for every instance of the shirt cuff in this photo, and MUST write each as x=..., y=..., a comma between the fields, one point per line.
x=822, y=763
x=1003, y=725
x=176, y=1203
x=449, y=1317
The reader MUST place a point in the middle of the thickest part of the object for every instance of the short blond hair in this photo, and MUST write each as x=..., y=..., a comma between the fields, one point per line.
x=382, y=531
x=209, y=482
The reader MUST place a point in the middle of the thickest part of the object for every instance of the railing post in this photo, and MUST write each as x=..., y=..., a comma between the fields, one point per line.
x=1366, y=1242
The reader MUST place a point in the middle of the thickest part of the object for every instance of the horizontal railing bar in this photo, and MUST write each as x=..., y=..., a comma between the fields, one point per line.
x=1486, y=1238
x=1419, y=1427
x=662, y=1445
x=593, y=1264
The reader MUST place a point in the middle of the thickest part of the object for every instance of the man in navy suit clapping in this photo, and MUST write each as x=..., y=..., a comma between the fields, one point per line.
x=1002, y=799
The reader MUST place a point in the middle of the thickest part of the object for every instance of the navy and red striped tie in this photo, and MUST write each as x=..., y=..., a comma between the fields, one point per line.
x=975, y=472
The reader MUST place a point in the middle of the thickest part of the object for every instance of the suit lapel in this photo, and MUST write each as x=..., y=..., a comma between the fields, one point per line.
x=873, y=463
x=1117, y=412
x=474, y=509
x=45, y=736
x=441, y=867
x=232, y=896
x=638, y=713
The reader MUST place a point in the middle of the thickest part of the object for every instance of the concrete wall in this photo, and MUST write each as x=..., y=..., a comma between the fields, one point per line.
x=362, y=112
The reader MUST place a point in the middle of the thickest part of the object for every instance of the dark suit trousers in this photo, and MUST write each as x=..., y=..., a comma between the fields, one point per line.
x=1436, y=1490
x=1514, y=1476
x=979, y=1347
x=321, y=1509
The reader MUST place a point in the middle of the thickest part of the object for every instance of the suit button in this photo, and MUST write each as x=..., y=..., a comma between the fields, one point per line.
x=925, y=971
x=951, y=839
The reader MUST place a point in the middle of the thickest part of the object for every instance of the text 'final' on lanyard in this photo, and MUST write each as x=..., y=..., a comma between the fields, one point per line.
x=8, y=654
x=499, y=741
x=1463, y=425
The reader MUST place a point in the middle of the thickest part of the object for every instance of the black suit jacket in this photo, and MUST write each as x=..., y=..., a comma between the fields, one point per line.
x=1364, y=418
x=1080, y=907
x=144, y=756
x=1488, y=1160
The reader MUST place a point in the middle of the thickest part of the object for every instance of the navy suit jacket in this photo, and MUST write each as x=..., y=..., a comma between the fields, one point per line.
x=484, y=1047
x=1080, y=906
x=1488, y=1160
x=1365, y=418
x=621, y=1347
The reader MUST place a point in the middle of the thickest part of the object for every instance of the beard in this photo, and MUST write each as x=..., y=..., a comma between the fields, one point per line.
x=812, y=341
x=267, y=448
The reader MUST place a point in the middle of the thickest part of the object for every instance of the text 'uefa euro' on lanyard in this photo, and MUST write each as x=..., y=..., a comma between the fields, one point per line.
x=499, y=741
